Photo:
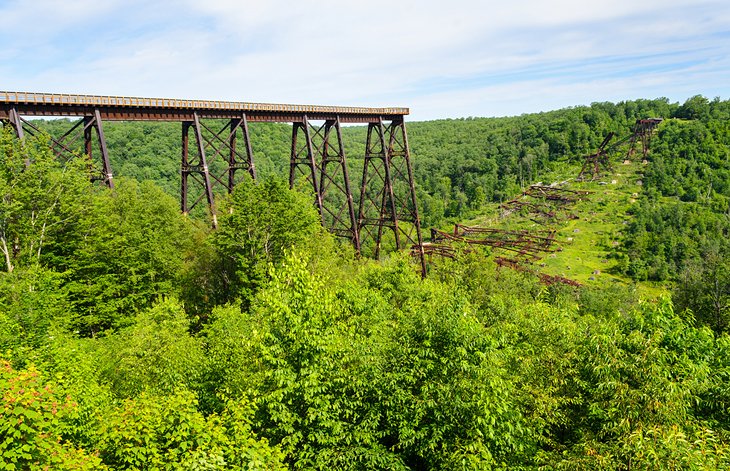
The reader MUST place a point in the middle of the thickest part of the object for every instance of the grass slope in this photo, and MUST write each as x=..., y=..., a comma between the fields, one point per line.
x=585, y=244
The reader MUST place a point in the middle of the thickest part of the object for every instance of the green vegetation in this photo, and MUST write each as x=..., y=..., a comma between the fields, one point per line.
x=133, y=337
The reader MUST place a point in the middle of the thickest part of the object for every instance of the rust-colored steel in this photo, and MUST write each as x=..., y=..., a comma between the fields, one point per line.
x=321, y=161
x=116, y=108
x=215, y=162
x=184, y=168
x=203, y=168
x=105, y=162
x=236, y=160
x=594, y=162
x=544, y=277
x=14, y=120
x=442, y=250
x=550, y=200
x=527, y=244
x=388, y=193
x=642, y=131
x=375, y=201
x=554, y=193
x=302, y=161
x=194, y=167
x=338, y=206
x=65, y=146
x=387, y=197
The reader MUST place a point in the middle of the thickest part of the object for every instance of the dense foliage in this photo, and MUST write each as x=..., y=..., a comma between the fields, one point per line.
x=133, y=337
x=681, y=226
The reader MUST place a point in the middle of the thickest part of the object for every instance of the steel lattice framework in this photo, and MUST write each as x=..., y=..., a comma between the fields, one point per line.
x=546, y=202
x=387, y=194
x=642, y=132
x=220, y=155
x=525, y=246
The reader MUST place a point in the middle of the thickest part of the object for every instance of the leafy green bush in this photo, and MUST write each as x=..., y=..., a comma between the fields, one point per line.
x=31, y=416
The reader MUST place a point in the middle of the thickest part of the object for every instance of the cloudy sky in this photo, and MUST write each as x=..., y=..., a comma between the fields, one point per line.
x=443, y=59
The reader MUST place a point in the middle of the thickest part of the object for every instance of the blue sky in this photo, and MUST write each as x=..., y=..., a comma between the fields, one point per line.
x=443, y=59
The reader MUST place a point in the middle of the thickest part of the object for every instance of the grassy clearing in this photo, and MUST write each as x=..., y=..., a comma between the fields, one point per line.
x=584, y=245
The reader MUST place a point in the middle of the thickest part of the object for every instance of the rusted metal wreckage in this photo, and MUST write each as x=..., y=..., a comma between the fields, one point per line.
x=524, y=244
x=544, y=277
x=642, y=132
x=544, y=201
x=222, y=141
x=525, y=247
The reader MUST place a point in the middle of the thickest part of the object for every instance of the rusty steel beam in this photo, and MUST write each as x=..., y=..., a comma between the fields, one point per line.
x=14, y=119
x=302, y=162
x=246, y=161
x=318, y=154
x=376, y=203
x=338, y=206
x=64, y=146
x=194, y=166
x=115, y=108
x=105, y=162
x=203, y=168
x=387, y=197
x=594, y=162
x=527, y=244
x=388, y=193
x=551, y=200
x=643, y=131
x=554, y=193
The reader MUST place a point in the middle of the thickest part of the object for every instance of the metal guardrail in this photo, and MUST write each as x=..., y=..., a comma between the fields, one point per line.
x=64, y=100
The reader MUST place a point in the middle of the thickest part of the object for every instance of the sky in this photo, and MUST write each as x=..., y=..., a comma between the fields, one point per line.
x=442, y=59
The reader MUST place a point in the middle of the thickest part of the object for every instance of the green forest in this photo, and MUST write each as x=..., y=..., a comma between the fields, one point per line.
x=133, y=337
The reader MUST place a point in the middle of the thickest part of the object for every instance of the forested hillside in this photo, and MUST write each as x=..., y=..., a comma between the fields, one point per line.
x=134, y=337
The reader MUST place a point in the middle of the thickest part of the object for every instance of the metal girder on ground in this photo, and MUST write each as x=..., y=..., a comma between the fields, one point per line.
x=442, y=250
x=551, y=199
x=544, y=277
x=388, y=193
x=554, y=193
x=528, y=244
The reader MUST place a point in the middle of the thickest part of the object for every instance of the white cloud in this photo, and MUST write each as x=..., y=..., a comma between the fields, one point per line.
x=464, y=57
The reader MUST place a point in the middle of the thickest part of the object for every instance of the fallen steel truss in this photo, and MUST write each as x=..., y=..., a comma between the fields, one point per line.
x=544, y=277
x=545, y=201
x=642, y=132
x=526, y=244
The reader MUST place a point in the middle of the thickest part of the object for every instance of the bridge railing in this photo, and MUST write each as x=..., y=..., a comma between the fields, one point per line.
x=102, y=100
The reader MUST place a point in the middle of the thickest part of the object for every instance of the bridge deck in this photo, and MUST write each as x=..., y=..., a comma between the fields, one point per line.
x=117, y=108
